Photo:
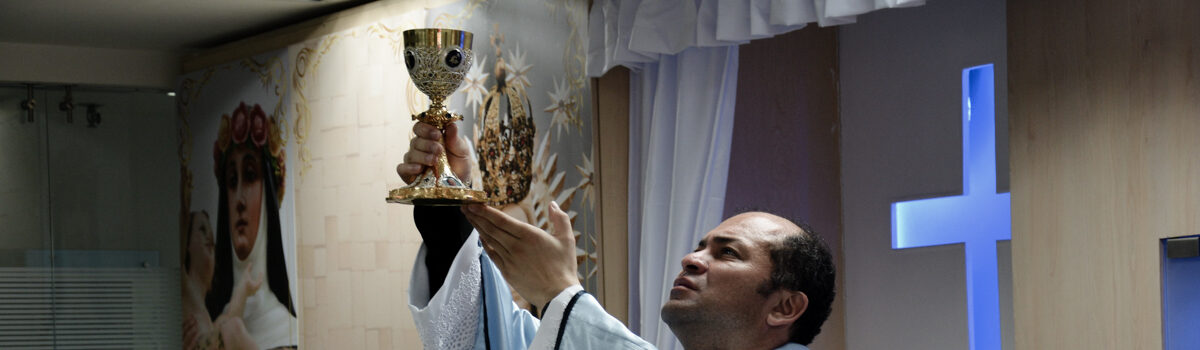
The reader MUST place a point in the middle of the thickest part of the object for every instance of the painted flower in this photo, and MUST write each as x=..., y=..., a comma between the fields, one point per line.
x=258, y=126
x=241, y=126
x=473, y=84
x=562, y=105
x=517, y=70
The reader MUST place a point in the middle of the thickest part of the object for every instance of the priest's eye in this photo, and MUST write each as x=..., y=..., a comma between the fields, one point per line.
x=729, y=252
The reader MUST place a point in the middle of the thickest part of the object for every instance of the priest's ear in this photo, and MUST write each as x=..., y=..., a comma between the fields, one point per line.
x=786, y=306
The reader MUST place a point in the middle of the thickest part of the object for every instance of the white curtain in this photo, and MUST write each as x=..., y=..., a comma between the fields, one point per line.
x=681, y=126
x=684, y=59
x=634, y=32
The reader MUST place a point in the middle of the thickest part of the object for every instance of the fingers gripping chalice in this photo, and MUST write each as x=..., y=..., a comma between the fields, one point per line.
x=437, y=60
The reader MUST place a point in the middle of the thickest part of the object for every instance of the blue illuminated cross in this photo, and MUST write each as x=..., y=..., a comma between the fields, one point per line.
x=978, y=218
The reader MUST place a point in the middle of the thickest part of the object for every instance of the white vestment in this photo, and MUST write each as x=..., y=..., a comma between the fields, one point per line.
x=454, y=318
x=267, y=321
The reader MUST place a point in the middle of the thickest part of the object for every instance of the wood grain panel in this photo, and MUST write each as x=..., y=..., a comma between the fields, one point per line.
x=785, y=155
x=610, y=96
x=1105, y=128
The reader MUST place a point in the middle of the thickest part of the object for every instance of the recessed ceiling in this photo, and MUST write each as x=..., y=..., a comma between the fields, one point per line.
x=179, y=26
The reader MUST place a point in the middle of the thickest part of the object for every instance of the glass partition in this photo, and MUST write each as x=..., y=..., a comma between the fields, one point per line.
x=88, y=218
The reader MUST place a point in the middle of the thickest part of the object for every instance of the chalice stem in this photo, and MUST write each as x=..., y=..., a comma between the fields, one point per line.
x=443, y=165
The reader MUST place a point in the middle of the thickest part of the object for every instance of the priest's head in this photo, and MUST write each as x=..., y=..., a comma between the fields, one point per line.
x=756, y=280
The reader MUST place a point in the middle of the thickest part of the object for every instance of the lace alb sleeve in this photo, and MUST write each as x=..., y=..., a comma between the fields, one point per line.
x=450, y=318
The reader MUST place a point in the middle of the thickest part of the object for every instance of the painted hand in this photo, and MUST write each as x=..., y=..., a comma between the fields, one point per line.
x=244, y=288
x=423, y=151
x=538, y=264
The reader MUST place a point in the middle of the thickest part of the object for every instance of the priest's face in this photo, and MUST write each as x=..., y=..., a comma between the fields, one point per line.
x=720, y=278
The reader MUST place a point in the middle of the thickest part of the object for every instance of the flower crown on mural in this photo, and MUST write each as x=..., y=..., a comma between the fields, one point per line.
x=252, y=127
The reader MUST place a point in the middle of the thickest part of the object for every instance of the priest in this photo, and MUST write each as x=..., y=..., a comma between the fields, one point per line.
x=756, y=281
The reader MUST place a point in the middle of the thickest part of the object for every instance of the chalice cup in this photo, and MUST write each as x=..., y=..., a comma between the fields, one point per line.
x=437, y=60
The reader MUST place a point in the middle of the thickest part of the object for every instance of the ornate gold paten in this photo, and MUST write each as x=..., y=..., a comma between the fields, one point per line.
x=437, y=60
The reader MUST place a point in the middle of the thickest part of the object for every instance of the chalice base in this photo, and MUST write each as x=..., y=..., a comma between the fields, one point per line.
x=436, y=196
x=437, y=188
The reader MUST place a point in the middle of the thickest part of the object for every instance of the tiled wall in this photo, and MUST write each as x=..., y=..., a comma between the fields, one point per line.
x=356, y=251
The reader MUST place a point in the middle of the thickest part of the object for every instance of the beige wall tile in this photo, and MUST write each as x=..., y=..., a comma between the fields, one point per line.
x=333, y=253
x=313, y=342
x=336, y=173
x=406, y=338
x=355, y=59
x=400, y=225
x=320, y=108
x=373, y=138
x=393, y=156
x=383, y=255
x=338, y=304
x=371, y=338
x=381, y=52
x=353, y=163
x=398, y=290
x=321, y=288
x=319, y=261
x=372, y=112
x=358, y=299
x=385, y=338
x=331, y=226
x=404, y=255
x=347, y=338
x=364, y=198
x=305, y=260
x=313, y=328
x=372, y=79
x=379, y=298
x=346, y=256
x=308, y=291
x=366, y=222
x=310, y=230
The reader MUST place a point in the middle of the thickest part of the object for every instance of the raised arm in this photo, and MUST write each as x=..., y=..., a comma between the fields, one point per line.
x=457, y=297
x=443, y=229
x=542, y=267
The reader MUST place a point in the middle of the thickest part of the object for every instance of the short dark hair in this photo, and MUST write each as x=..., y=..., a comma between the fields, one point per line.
x=802, y=262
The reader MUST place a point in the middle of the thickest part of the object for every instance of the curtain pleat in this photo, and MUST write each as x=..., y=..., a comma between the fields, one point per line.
x=632, y=32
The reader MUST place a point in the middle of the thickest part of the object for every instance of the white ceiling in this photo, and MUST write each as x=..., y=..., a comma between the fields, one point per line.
x=178, y=26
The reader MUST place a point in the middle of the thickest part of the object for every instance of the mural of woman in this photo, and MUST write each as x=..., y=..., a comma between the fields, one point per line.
x=249, y=166
x=201, y=331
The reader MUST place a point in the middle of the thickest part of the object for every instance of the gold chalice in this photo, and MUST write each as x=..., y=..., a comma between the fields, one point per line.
x=437, y=60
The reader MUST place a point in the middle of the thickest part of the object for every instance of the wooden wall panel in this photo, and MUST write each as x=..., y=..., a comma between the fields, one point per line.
x=1105, y=129
x=610, y=96
x=785, y=155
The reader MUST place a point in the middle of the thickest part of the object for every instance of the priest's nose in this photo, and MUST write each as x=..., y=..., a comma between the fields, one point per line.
x=693, y=263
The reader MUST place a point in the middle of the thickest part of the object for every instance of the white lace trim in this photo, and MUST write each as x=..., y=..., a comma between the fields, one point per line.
x=450, y=319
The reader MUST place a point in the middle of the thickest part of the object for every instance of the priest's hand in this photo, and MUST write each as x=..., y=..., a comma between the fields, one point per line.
x=425, y=147
x=538, y=264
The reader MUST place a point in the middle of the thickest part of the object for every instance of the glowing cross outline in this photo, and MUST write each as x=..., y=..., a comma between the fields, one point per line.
x=978, y=218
